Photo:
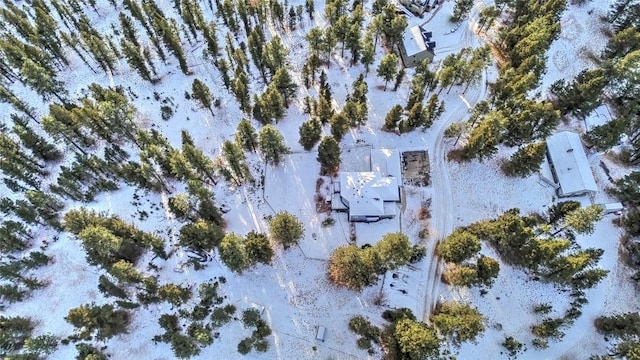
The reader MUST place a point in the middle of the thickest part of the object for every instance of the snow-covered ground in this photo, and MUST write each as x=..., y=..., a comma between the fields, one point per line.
x=294, y=290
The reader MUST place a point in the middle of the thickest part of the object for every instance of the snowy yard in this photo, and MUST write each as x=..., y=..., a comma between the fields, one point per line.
x=294, y=290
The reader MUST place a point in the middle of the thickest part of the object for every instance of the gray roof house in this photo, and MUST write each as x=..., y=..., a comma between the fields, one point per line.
x=418, y=7
x=416, y=46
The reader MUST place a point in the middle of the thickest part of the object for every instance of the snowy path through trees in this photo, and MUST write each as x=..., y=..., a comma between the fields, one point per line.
x=442, y=220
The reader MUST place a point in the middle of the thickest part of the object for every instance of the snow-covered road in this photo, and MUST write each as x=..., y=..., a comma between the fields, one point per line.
x=442, y=203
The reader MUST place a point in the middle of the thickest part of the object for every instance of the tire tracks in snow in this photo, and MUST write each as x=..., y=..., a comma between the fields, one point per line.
x=442, y=198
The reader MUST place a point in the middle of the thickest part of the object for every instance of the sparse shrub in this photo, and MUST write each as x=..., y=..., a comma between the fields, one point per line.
x=418, y=253
x=364, y=343
x=424, y=213
x=166, y=112
x=572, y=314
x=544, y=308
x=42, y=345
x=244, y=346
x=127, y=304
x=549, y=328
x=512, y=345
x=261, y=345
x=380, y=298
x=250, y=317
x=221, y=316
x=359, y=324
x=262, y=330
x=453, y=130
x=393, y=316
x=89, y=352
x=328, y=222
x=540, y=343
x=199, y=313
x=201, y=333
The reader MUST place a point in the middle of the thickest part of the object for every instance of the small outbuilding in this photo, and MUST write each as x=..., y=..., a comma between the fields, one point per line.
x=612, y=208
x=416, y=46
x=569, y=165
x=321, y=332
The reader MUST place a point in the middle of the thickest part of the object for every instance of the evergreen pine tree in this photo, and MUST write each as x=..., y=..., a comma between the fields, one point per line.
x=285, y=229
x=202, y=94
x=198, y=160
x=388, y=68
x=310, y=133
x=46, y=31
x=283, y=82
x=42, y=80
x=233, y=253
x=16, y=236
x=246, y=136
x=526, y=160
x=237, y=165
x=258, y=247
x=39, y=146
x=102, y=321
x=168, y=32
x=272, y=145
x=200, y=235
x=414, y=119
x=241, y=91
x=323, y=109
x=329, y=155
x=458, y=321
x=128, y=30
x=417, y=91
x=275, y=54
x=272, y=105
x=416, y=340
x=339, y=126
x=368, y=53
x=309, y=8
x=393, y=118
x=399, y=78
x=136, y=60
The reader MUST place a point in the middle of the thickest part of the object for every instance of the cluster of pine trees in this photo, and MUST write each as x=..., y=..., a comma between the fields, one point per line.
x=627, y=190
x=624, y=328
x=102, y=145
x=357, y=268
x=404, y=336
x=456, y=250
x=543, y=246
x=614, y=81
x=193, y=326
x=510, y=116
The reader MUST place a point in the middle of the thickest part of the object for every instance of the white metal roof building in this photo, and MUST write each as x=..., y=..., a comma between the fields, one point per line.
x=569, y=165
x=386, y=162
x=371, y=195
